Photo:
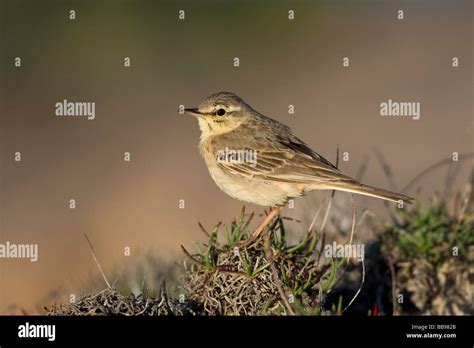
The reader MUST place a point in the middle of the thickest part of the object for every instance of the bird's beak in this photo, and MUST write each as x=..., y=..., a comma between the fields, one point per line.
x=193, y=112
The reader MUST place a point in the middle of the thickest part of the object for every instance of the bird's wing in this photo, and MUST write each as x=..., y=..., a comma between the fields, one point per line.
x=279, y=156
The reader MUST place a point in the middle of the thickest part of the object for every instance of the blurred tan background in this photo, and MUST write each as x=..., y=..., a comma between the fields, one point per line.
x=177, y=62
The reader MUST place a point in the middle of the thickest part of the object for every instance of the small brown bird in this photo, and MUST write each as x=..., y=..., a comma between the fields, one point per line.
x=256, y=159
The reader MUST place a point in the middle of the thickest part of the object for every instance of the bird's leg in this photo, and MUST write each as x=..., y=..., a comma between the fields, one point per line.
x=266, y=221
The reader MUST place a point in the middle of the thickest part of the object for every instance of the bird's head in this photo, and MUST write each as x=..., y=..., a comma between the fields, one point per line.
x=220, y=113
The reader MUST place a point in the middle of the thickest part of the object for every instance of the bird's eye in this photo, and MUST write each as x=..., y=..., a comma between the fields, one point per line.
x=220, y=112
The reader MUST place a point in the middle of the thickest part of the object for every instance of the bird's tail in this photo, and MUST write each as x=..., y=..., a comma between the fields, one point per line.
x=356, y=187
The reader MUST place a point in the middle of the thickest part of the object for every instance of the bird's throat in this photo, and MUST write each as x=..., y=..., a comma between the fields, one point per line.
x=206, y=128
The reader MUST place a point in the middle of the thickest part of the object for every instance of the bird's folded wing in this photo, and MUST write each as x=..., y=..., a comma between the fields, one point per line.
x=284, y=165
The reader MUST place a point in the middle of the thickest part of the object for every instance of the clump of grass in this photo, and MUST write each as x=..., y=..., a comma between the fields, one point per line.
x=430, y=252
x=234, y=276
x=231, y=274
x=430, y=232
x=114, y=303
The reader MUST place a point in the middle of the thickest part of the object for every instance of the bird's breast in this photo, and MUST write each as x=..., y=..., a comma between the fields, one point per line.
x=248, y=189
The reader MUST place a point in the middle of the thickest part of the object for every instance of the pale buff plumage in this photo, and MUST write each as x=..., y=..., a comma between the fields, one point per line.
x=285, y=167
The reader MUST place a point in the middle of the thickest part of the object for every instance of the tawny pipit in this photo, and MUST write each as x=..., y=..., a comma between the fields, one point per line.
x=282, y=165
